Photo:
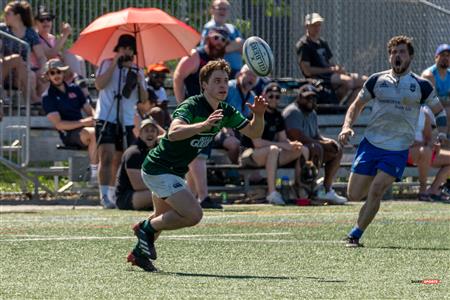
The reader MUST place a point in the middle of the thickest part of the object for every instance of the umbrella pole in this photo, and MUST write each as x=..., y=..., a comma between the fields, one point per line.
x=137, y=63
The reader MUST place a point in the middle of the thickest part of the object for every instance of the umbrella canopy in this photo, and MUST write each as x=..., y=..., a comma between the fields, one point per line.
x=159, y=36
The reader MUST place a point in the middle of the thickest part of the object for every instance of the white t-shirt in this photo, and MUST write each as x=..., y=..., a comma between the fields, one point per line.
x=106, y=108
x=395, y=110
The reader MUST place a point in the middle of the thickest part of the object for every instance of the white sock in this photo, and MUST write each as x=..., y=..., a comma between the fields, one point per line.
x=93, y=170
x=112, y=194
x=103, y=191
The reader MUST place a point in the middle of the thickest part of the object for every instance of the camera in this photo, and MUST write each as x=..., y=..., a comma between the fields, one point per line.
x=124, y=59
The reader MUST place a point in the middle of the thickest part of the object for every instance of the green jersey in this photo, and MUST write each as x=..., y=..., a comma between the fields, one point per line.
x=174, y=156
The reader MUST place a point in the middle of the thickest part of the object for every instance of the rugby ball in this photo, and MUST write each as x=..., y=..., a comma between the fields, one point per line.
x=258, y=56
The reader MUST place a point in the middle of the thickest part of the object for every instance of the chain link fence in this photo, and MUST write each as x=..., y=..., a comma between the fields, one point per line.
x=356, y=30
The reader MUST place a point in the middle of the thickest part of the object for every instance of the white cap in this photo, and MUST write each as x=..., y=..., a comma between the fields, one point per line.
x=313, y=18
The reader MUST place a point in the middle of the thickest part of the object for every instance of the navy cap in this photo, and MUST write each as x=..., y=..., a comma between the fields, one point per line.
x=442, y=48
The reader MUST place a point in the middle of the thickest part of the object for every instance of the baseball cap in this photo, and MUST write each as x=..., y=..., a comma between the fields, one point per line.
x=313, y=18
x=272, y=87
x=222, y=30
x=441, y=48
x=158, y=67
x=148, y=121
x=126, y=40
x=55, y=63
x=43, y=13
x=307, y=90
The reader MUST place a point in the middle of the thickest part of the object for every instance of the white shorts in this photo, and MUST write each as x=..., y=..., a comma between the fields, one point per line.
x=164, y=185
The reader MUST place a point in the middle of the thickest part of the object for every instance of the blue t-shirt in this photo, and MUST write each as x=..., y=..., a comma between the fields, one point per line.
x=68, y=104
x=442, y=85
x=233, y=58
x=12, y=47
x=236, y=99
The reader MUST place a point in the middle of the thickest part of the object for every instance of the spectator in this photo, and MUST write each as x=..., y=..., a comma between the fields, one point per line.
x=314, y=59
x=220, y=11
x=302, y=125
x=424, y=154
x=131, y=192
x=63, y=104
x=19, y=23
x=156, y=75
x=54, y=46
x=146, y=109
x=439, y=75
x=120, y=86
x=273, y=149
x=186, y=75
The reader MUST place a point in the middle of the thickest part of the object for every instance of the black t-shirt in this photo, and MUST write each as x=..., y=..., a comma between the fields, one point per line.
x=132, y=158
x=317, y=54
x=273, y=123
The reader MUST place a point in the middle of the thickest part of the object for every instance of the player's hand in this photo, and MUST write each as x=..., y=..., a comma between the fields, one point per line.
x=213, y=119
x=345, y=135
x=259, y=107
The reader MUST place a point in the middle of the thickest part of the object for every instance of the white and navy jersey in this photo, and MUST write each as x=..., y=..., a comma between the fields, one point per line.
x=395, y=109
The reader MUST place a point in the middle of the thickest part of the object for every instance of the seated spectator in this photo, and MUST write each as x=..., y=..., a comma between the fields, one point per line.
x=220, y=11
x=424, y=154
x=19, y=23
x=273, y=149
x=314, y=59
x=131, y=192
x=239, y=94
x=63, y=104
x=302, y=126
x=54, y=46
x=156, y=75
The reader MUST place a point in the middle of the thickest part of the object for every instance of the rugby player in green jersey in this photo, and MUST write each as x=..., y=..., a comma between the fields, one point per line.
x=195, y=123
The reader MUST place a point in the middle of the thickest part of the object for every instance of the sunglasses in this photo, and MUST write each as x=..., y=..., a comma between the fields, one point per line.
x=277, y=97
x=311, y=98
x=219, y=37
x=159, y=76
x=48, y=19
x=54, y=72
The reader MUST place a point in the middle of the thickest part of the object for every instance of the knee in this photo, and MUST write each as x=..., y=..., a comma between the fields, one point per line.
x=194, y=217
x=377, y=191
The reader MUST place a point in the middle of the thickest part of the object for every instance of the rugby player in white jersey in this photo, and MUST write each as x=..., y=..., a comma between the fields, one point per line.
x=396, y=96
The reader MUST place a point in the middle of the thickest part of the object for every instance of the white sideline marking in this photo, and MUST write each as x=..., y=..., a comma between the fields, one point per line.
x=180, y=237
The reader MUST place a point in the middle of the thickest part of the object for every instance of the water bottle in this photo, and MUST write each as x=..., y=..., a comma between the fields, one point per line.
x=278, y=184
x=224, y=197
x=285, y=188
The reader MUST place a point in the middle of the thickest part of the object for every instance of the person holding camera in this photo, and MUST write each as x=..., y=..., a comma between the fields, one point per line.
x=121, y=84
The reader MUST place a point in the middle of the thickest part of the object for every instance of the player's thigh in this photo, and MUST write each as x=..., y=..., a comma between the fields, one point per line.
x=358, y=186
x=185, y=204
x=160, y=206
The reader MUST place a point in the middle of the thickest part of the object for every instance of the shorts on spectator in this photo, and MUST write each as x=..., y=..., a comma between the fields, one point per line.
x=72, y=138
x=164, y=185
x=125, y=200
x=246, y=159
x=112, y=134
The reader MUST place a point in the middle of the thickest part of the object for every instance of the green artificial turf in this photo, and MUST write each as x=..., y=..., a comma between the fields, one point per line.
x=243, y=252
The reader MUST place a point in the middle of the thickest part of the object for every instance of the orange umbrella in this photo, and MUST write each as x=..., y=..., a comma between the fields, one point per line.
x=159, y=36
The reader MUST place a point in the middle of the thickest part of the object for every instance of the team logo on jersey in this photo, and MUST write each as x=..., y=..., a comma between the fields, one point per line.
x=412, y=87
x=202, y=142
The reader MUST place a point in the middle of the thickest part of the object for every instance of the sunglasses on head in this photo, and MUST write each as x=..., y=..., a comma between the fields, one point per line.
x=219, y=37
x=54, y=72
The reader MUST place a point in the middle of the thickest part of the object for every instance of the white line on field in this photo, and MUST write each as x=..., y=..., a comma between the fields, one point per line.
x=181, y=237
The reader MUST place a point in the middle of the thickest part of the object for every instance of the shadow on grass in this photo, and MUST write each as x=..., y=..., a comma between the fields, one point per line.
x=225, y=276
x=321, y=279
x=411, y=248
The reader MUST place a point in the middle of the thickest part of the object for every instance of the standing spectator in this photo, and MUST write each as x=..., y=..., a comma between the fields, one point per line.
x=156, y=75
x=186, y=75
x=19, y=23
x=220, y=11
x=63, y=104
x=425, y=154
x=273, y=149
x=314, y=59
x=131, y=191
x=120, y=84
x=397, y=95
x=54, y=46
x=301, y=125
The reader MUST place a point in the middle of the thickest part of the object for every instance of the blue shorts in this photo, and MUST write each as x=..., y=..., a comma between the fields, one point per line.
x=369, y=159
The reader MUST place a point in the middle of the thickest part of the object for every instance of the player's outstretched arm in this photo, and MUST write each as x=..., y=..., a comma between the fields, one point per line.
x=256, y=126
x=180, y=130
x=352, y=114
